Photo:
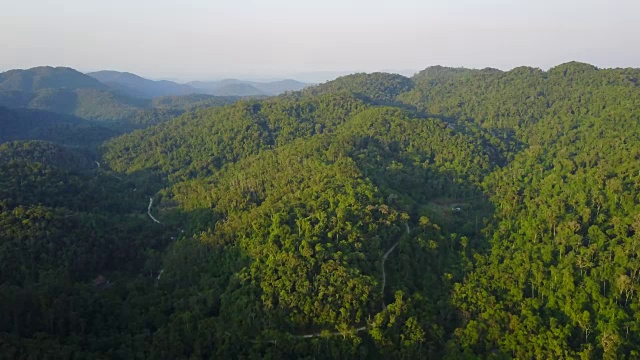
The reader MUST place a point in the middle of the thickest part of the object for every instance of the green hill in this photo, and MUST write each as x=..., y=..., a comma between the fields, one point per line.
x=205, y=140
x=47, y=77
x=381, y=88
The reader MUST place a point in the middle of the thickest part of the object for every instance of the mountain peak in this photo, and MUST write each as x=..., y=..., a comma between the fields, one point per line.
x=44, y=77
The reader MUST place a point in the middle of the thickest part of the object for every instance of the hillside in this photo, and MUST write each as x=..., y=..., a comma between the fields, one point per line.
x=381, y=88
x=23, y=124
x=457, y=214
x=15, y=124
x=47, y=77
x=299, y=186
x=61, y=228
x=134, y=85
x=89, y=104
x=111, y=107
x=192, y=102
x=46, y=153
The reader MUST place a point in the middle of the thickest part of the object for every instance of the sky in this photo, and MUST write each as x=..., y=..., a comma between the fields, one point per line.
x=210, y=39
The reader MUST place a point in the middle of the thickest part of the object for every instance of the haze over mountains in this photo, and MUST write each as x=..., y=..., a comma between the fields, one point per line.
x=111, y=95
x=47, y=77
x=42, y=102
x=46, y=102
x=121, y=96
x=247, y=88
x=135, y=85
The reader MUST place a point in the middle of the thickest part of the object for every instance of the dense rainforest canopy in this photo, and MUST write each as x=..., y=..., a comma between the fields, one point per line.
x=457, y=214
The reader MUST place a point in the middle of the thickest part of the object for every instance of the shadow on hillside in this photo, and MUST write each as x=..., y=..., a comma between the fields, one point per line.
x=448, y=213
x=500, y=144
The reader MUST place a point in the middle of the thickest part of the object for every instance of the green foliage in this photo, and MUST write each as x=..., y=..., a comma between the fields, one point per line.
x=47, y=77
x=198, y=143
x=61, y=226
x=322, y=193
x=559, y=281
x=191, y=102
x=477, y=214
x=503, y=106
x=44, y=152
x=380, y=88
x=66, y=91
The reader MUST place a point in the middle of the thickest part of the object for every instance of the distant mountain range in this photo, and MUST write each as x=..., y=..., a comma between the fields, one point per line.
x=47, y=77
x=134, y=85
x=236, y=87
x=59, y=97
x=126, y=98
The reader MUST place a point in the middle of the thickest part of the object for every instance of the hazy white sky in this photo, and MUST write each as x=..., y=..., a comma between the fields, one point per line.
x=189, y=39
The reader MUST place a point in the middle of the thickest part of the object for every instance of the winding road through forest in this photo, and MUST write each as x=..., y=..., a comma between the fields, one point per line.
x=149, y=211
x=384, y=259
x=313, y=335
x=384, y=273
x=384, y=282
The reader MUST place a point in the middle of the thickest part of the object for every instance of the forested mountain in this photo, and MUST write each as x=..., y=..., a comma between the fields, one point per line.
x=89, y=104
x=205, y=140
x=125, y=100
x=46, y=77
x=66, y=91
x=134, y=85
x=457, y=214
x=380, y=88
x=191, y=102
